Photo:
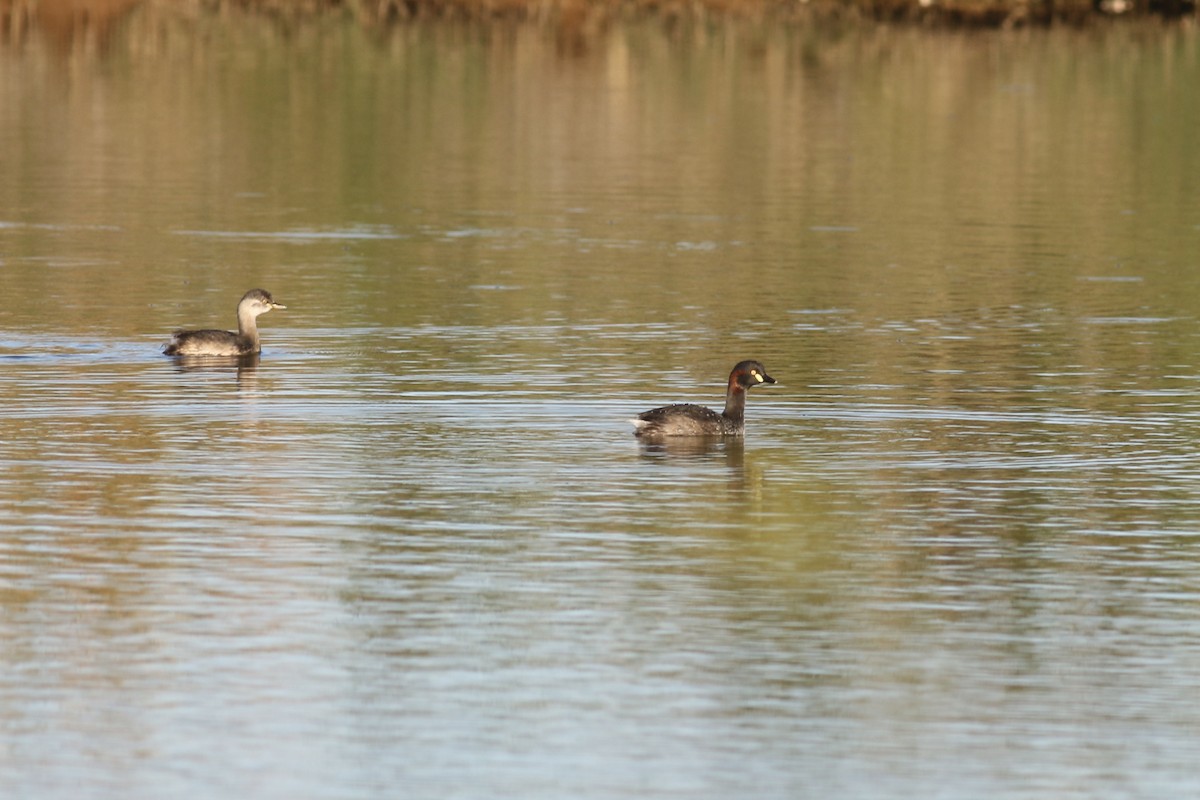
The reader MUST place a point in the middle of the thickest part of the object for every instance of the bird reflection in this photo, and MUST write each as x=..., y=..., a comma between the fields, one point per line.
x=731, y=447
x=244, y=367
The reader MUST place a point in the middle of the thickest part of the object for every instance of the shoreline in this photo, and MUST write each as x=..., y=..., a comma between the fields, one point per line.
x=582, y=18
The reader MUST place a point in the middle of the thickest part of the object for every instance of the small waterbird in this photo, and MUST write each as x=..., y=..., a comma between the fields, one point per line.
x=210, y=342
x=686, y=419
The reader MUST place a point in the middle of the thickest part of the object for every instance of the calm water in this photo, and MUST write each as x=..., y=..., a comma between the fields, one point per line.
x=415, y=551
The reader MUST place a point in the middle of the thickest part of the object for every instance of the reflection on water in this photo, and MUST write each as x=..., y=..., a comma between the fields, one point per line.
x=730, y=448
x=415, y=543
x=241, y=367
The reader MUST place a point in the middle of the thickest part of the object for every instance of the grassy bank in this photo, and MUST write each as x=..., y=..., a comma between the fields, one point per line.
x=986, y=13
x=989, y=13
x=976, y=13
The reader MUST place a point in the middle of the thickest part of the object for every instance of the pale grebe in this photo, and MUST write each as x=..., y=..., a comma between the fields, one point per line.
x=685, y=419
x=226, y=343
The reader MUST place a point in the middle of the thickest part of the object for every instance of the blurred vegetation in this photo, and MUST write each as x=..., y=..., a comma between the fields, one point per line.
x=580, y=19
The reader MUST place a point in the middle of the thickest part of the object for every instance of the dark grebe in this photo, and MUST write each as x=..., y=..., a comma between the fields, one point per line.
x=686, y=419
x=225, y=343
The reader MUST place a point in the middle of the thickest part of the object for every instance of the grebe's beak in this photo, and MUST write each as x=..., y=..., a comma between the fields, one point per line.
x=761, y=377
x=281, y=305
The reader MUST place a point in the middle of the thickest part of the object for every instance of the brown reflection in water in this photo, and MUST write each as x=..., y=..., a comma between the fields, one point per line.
x=741, y=481
x=67, y=24
x=733, y=448
x=1013, y=263
x=244, y=368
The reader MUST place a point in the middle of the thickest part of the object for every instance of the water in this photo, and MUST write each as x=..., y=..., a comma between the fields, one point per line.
x=414, y=549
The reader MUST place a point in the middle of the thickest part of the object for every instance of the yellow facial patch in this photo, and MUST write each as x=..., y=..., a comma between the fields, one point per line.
x=754, y=374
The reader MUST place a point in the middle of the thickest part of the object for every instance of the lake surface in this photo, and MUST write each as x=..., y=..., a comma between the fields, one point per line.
x=414, y=550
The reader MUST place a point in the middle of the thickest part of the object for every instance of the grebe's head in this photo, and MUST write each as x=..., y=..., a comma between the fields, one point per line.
x=257, y=301
x=749, y=373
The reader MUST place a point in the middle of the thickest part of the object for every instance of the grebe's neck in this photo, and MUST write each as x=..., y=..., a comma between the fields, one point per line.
x=735, y=401
x=247, y=325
